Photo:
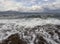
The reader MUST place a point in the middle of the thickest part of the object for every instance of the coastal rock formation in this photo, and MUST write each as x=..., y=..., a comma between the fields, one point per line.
x=13, y=39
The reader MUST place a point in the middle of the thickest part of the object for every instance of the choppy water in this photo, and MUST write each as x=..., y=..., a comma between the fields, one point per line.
x=32, y=30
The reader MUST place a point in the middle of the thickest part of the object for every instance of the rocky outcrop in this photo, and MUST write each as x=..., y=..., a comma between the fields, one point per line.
x=13, y=39
x=41, y=40
x=46, y=34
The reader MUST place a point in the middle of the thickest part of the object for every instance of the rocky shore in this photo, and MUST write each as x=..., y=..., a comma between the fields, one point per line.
x=46, y=34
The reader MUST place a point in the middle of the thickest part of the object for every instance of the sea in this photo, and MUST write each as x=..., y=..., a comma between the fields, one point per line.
x=34, y=29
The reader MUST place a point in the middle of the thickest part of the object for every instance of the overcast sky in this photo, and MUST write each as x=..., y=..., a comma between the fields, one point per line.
x=29, y=5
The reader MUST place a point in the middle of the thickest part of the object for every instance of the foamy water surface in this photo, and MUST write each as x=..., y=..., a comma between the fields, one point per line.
x=22, y=26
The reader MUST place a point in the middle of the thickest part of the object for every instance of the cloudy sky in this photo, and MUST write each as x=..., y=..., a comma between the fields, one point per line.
x=29, y=5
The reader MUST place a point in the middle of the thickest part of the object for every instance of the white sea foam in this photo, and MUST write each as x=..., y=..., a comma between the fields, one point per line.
x=12, y=26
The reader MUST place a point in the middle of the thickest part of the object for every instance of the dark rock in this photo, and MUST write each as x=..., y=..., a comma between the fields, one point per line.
x=58, y=26
x=56, y=31
x=51, y=33
x=13, y=39
x=41, y=40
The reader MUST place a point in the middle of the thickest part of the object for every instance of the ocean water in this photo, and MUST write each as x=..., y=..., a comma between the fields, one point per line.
x=32, y=30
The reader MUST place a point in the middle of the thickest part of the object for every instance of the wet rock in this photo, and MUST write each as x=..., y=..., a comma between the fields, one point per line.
x=13, y=39
x=41, y=40
x=58, y=26
x=56, y=31
x=51, y=33
x=36, y=35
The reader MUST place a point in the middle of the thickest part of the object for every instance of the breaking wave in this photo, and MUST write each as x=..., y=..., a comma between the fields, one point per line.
x=32, y=30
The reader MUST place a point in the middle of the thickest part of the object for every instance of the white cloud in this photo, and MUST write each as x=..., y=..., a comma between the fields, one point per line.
x=54, y=5
x=35, y=5
x=9, y=5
